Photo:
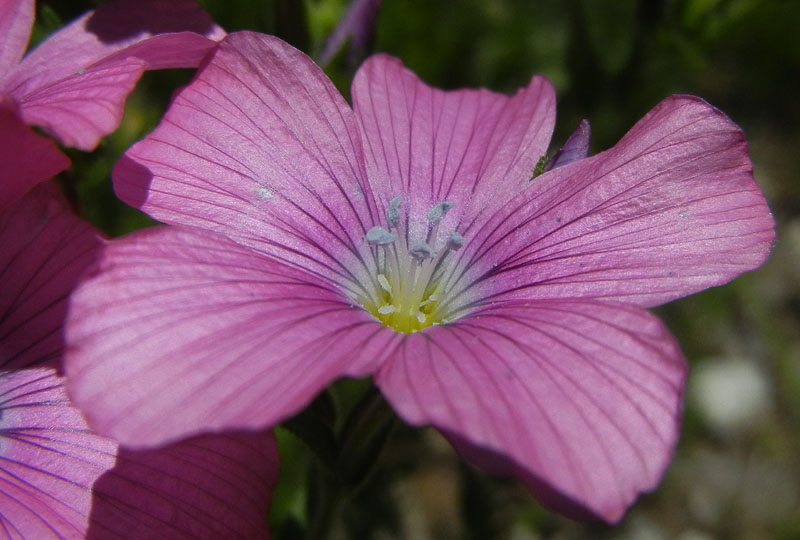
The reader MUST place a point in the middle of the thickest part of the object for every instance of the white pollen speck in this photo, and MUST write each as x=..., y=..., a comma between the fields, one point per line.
x=421, y=317
x=684, y=214
x=385, y=310
x=264, y=194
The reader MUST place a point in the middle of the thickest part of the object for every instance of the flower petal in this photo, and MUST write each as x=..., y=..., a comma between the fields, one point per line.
x=184, y=331
x=475, y=148
x=27, y=157
x=262, y=148
x=16, y=21
x=211, y=486
x=75, y=83
x=59, y=480
x=44, y=249
x=670, y=210
x=110, y=29
x=48, y=459
x=582, y=399
x=80, y=110
x=575, y=148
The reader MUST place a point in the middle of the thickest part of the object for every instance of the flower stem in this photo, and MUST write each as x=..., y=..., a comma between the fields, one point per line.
x=325, y=498
x=363, y=436
x=361, y=439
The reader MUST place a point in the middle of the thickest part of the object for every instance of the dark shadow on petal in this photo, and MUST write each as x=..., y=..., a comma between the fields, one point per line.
x=121, y=20
x=498, y=465
x=131, y=181
x=41, y=272
x=210, y=486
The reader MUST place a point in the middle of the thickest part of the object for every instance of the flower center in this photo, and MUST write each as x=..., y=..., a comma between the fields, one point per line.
x=412, y=281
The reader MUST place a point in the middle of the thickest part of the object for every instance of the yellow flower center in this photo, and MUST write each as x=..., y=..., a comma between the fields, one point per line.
x=410, y=288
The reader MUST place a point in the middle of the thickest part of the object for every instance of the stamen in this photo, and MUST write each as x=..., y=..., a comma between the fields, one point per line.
x=438, y=211
x=385, y=285
x=393, y=212
x=421, y=251
x=435, y=216
x=431, y=298
x=379, y=236
x=412, y=281
x=455, y=241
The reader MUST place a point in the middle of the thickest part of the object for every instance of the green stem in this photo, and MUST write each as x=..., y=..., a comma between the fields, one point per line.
x=363, y=437
x=326, y=491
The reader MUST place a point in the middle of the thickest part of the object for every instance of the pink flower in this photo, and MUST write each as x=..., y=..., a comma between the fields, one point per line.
x=59, y=479
x=406, y=238
x=357, y=25
x=75, y=83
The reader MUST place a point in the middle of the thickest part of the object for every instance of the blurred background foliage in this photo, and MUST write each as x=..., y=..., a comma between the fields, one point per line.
x=736, y=472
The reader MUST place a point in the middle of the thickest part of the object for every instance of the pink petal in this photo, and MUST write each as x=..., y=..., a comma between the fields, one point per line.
x=581, y=399
x=80, y=110
x=207, y=487
x=184, y=331
x=262, y=148
x=58, y=479
x=27, y=158
x=166, y=51
x=16, y=21
x=670, y=210
x=48, y=459
x=44, y=249
x=108, y=30
x=475, y=148
x=575, y=148
x=84, y=72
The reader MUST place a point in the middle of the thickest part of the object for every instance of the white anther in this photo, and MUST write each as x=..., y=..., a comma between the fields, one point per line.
x=385, y=310
x=421, y=251
x=379, y=236
x=431, y=298
x=455, y=241
x=437, y=211
x=384, y=283
x=393, y=212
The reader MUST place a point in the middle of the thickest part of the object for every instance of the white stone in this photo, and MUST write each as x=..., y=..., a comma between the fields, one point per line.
x=731, y=394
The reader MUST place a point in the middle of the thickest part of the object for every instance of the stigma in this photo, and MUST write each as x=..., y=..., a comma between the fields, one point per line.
x=412, y=278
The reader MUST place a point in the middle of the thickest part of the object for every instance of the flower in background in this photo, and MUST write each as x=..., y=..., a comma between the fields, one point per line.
x=61, y=480
x=358, y=25
x=74, y=84
x=409, y=238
